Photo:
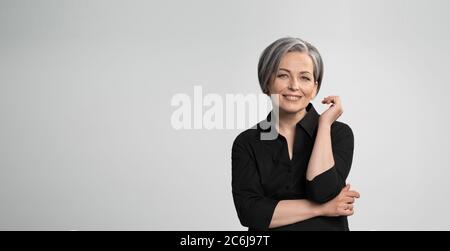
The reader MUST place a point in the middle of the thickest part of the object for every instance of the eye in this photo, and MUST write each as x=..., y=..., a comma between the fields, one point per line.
x=305, y=78
x=282, y=75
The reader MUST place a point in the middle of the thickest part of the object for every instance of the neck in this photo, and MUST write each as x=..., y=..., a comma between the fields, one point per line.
x=288, y=121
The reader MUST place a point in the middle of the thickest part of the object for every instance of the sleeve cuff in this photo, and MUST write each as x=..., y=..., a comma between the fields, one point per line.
x=323, y=187
x=262, y=216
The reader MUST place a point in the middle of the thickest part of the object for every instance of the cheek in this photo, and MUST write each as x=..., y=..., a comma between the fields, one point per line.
x=277, y=86
x=308, y=92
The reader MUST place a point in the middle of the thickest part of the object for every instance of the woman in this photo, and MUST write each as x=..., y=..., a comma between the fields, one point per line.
x=298, y=180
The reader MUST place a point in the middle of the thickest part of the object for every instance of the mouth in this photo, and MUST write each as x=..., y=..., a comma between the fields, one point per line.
x=291, y=97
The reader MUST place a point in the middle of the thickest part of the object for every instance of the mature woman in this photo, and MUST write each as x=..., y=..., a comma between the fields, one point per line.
x=298, y=180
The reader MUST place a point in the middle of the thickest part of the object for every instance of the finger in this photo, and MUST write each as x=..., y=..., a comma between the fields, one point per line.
x=333, y=98
x=333, y=102
x=352, y=194
x=345, y=212
x=341, y=210
x=349, y=212
x=328, y=100
x=357, y=195
x=344, y=206
x=348, y=200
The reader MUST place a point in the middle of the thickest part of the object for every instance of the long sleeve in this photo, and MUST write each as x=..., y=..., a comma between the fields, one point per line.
x=253, y=208
x=327, y=185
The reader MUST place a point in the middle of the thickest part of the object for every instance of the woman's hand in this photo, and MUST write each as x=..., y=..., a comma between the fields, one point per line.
x=341, y=205
x=333, y=112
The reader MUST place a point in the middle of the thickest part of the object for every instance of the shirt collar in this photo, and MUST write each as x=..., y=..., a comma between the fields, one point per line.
x=309, y=122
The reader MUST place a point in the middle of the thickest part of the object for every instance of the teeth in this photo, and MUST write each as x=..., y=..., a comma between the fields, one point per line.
x=293, y=98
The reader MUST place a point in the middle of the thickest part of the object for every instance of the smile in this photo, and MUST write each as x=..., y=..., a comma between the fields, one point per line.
x=292, y=97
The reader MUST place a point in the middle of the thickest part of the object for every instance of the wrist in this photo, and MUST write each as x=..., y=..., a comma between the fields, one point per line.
x=319, y=210
x=324, y=124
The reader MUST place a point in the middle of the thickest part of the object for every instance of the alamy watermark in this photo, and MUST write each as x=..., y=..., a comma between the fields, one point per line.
x=231, y=111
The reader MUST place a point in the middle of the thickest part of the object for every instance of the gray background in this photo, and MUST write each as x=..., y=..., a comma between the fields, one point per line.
x=85, y=89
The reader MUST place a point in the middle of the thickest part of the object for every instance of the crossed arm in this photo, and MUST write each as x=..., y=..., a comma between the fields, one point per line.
x=292, y=211
x=327, y=193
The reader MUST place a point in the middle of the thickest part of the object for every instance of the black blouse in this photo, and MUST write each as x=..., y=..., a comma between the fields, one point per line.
x=263, y=174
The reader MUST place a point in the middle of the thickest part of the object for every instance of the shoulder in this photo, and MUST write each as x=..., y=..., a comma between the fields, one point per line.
x=244, y=143
x=247, y=137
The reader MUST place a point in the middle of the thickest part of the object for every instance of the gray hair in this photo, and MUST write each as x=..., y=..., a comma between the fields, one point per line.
x=269, y=60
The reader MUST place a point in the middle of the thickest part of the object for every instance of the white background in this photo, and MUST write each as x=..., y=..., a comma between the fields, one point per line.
x=85, y=90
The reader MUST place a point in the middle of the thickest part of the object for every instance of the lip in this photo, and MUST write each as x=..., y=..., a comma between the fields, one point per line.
x=291, y=97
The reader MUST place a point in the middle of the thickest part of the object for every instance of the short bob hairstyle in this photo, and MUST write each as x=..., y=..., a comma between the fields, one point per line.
x=270, y=58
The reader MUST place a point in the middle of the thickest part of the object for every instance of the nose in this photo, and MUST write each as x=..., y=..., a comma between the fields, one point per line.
x=294, y=85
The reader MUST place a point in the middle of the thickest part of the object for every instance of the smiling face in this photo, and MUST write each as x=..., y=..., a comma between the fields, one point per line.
x=294, y=82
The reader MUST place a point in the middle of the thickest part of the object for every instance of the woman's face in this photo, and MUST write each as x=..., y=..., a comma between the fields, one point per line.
x=294, y=82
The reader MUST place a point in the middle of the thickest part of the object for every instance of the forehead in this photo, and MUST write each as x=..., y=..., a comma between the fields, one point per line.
x=297, y=61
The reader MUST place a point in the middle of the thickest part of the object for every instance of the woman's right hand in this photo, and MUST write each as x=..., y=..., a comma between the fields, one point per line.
x=341, y=205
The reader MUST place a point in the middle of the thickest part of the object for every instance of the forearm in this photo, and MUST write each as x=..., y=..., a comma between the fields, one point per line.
x=292, y=211
x=321, y=158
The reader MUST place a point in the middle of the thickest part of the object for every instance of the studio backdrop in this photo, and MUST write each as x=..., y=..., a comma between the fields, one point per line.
x=89, y=89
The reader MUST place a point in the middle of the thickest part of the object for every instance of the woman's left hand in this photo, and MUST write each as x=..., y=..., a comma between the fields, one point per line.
x=333, y=112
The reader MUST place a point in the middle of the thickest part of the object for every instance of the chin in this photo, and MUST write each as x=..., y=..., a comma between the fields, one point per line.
x=291, y=109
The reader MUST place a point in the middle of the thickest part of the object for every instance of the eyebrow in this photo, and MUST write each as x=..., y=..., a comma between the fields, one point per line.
x=300, y=72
